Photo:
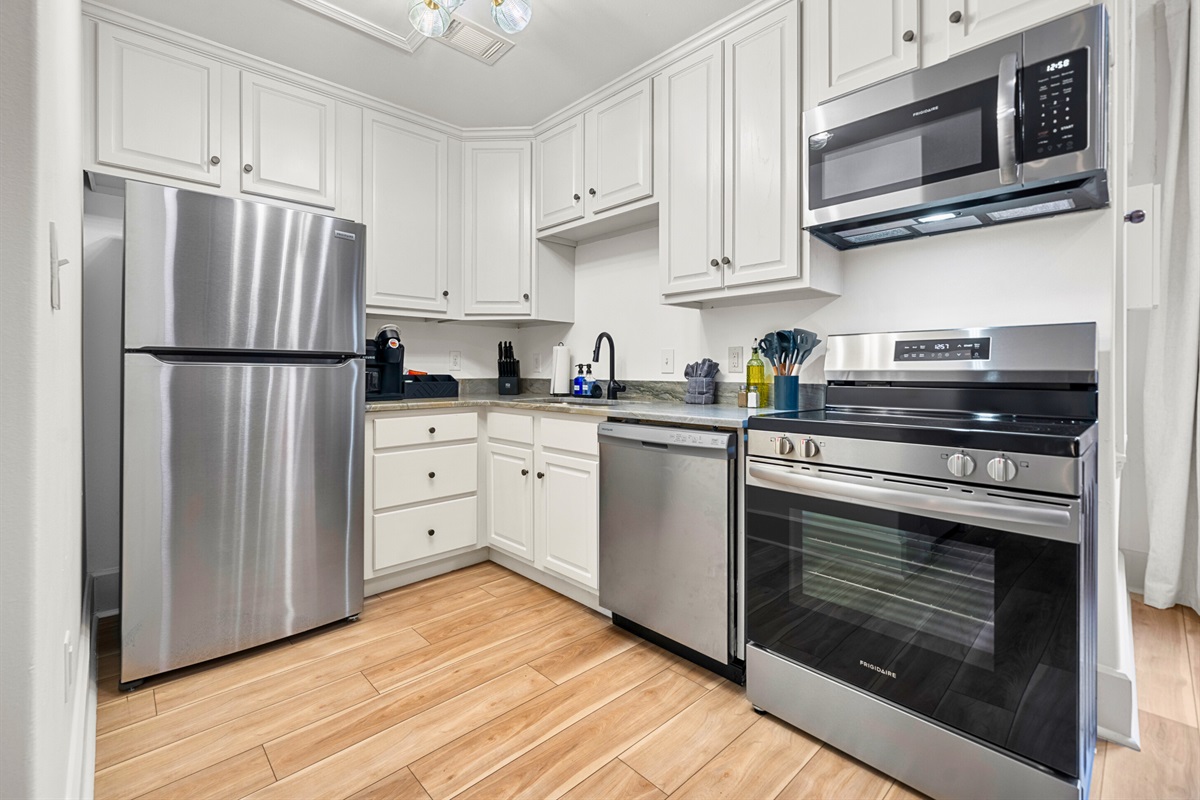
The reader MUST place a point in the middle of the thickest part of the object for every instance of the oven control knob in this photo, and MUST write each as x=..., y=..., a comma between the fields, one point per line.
x=960, y=465
x=1002, y=469
x=783, y=446
x=808, y=448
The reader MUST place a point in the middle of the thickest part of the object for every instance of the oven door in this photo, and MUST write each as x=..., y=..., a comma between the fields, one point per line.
x=959, y=604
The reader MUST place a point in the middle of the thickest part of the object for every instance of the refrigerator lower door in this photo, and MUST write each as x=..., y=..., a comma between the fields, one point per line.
x=242, y=506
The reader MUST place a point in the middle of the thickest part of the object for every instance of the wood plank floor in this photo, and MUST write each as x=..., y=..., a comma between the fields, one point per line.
x=482, y=684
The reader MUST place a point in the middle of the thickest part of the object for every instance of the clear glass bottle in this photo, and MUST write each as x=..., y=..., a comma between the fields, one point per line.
x=756, y=377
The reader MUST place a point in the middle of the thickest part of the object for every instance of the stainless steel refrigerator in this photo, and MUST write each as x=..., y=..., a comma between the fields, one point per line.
x=242, y=429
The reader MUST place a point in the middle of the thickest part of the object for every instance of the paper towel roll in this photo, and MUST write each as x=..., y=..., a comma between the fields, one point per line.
x=560, y=370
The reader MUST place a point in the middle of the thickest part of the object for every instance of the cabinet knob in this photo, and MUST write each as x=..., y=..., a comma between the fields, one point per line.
x=433, y=474
x=445, y=293
x=541, y=475
x=576, y=197
x=215, y=160
x=247, y=168
x=433, y=430
x=725, y=260
x=908, y=36
x=432, y=531
x=714, y=263
x=525, y=296
x=592, y=192
x=956, y=17
x=524, y=472
x=1137, y=216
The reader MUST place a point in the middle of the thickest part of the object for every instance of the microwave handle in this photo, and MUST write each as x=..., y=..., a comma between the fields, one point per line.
x=1006, y=118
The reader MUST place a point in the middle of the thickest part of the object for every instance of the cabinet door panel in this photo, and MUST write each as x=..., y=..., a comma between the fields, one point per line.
x=618, y=144
x=985, y=21
x=510, y=499
x=762, y=151
x=405, y=209
x=568, y=517
x=854, y=43
x=558, y=170
x=158, y=108
x=287, y=141
x=690, y=120
x=497, y=244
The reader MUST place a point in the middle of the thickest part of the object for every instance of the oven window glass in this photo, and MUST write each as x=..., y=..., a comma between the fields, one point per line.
x=972, y=627
x=944, y=137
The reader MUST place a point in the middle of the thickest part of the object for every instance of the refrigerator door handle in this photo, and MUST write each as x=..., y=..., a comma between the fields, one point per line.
x=256, y=359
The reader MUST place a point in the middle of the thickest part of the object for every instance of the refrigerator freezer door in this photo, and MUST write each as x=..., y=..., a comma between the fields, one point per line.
x=242, y=506
x=214, y=273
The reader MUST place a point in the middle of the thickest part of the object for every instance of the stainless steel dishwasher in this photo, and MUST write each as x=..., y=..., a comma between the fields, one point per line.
x=667, y=551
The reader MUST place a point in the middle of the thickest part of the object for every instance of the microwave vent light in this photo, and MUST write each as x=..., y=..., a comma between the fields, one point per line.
x=937, y=217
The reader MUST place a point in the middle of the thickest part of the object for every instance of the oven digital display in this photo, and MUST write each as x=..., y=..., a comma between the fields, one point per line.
x=977, y=349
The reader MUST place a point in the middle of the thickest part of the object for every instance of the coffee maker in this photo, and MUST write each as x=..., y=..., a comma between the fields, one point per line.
x=385, y=365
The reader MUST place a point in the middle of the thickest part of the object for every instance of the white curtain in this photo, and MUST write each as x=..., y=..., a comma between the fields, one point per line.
x=1172, y=389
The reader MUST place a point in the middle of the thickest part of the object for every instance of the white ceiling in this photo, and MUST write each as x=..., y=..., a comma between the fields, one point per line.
x=570, y=48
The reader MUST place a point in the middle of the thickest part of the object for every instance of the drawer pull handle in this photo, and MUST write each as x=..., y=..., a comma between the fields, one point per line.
x=541, y=475
x=433, y=474
x=431, y=531
x=433, y=430
x=524, y=472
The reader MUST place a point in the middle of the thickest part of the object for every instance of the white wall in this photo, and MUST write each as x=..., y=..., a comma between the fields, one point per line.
x=427, y=345
x=43, y=699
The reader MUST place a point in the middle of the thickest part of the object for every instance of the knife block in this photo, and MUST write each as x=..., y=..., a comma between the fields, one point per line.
x=510, y=384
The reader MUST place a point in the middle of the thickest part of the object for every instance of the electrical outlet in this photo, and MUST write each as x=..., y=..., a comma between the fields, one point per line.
x=668, y=362
x=735, y=359
x=537, y=363
x=455, y=360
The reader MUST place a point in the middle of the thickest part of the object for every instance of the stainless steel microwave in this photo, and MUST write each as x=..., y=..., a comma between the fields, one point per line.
x=1010, y=131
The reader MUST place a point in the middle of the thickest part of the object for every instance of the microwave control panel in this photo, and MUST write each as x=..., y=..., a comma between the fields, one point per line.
x=977, y=349
x=1055, y=99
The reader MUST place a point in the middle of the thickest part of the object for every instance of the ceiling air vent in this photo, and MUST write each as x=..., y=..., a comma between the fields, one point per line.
x=474, y=40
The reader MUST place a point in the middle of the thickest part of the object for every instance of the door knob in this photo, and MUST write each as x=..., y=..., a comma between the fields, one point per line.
x=725, y=260
x=592, y=192
x=432, y=531
x=247, y=168
x=525, y=296
x=445, y=293
x=433, y=474
x=908, y=36
x=715, y=263
x=576, y=197
x=433, y=430
x=524, y=472
x=956, y=17
x=1137, y=216
x=215, y=160
x=541, y=475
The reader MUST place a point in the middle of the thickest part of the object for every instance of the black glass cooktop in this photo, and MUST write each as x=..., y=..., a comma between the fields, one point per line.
x=1024, y=434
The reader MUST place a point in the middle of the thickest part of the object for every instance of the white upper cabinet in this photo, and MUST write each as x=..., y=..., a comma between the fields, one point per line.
x=762, y=156
x=690, y=120
x=497, y=228
x=287, y=142
x=158, y=107
x=854, y=43
x=618, y=146
x=558, y=172
x=976, y=22
x=405, y=208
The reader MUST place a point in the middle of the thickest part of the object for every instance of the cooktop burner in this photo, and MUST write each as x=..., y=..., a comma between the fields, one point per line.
x=1037, y=435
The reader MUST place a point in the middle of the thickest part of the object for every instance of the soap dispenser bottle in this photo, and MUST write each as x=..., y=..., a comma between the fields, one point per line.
x=579, y=385
x=589, y=383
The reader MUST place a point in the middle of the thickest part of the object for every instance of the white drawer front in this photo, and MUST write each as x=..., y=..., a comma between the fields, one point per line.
x=510, y=427
x=425, y=429
x=405, y=477
x=414, y=533
x=570, y=435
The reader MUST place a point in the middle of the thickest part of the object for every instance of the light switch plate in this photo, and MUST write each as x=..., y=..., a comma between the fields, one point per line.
x=735, y=360
x=455, y=360
x=668, y=362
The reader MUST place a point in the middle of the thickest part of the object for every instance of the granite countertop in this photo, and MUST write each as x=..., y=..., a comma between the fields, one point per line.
x=715, y=415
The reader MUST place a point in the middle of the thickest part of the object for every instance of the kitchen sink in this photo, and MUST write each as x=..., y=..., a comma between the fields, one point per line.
x=570, y=401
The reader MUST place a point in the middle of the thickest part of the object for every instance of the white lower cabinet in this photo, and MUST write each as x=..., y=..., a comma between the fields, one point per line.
x=420, y=488
x=543, y=494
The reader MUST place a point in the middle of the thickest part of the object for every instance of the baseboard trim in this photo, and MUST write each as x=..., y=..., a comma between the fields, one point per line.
x=83, y=727
x=385, y=583
x=563, y=587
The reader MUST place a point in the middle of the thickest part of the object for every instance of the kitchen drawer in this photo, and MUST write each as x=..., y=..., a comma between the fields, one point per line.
x=510, y=427
x=404, y=477
x=569, y=435
x=427, y=429
x=428, y=530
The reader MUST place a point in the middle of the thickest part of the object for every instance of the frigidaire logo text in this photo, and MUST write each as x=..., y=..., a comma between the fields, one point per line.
x=880, y=670
x=925, y=111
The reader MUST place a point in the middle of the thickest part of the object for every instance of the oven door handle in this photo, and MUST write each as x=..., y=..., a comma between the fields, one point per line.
x=1006, y=118
x=1044, y=522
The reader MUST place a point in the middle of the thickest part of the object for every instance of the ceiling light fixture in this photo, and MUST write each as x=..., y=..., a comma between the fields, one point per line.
x=432, y=17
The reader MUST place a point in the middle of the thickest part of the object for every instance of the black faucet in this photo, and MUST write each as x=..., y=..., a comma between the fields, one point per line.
x=613, y=386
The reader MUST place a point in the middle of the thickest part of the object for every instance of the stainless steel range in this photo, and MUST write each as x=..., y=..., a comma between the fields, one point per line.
x=920, y=559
